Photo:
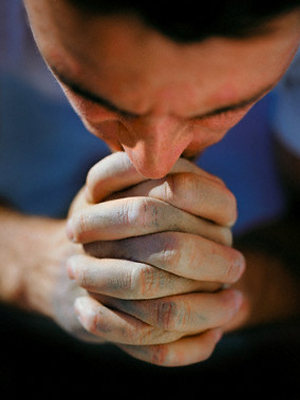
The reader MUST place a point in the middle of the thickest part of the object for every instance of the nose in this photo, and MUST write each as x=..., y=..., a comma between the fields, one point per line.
x=154, y=143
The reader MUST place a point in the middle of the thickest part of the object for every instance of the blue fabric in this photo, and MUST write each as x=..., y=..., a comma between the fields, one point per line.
x=244, y=159
x=45, y=151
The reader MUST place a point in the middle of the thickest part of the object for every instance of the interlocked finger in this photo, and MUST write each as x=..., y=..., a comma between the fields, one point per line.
x=117, y=327
x=116, y=172
x=182, y=254
x=130, y=280
x=191, y=192
x=185, y=351
x=137, y=216
x=188, y=313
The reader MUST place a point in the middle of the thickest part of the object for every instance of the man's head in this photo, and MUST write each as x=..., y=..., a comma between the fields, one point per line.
x=160, y=89
x=195, y=21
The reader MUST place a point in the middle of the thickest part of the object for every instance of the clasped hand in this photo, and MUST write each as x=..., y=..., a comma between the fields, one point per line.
x=157, y=260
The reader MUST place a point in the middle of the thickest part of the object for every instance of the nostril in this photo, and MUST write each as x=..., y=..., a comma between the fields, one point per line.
x=154, y=143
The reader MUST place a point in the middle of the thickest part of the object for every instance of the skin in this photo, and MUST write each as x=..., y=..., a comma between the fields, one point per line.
x=162, y=86
x=153, y=286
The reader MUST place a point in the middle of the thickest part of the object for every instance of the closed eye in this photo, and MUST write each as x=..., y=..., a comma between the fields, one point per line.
x=226, y=111
x=223, y=119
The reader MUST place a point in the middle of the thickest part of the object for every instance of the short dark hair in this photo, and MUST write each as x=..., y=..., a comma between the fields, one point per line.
x=188, y=20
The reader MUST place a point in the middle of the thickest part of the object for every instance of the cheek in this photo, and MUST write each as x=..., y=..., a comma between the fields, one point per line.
x=106, y=131
x=204, y=138
x=100, y=122
x=211, y=130
x=87, y=110
x=223, y=122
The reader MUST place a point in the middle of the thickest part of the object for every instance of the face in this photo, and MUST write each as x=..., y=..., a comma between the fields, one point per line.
x=149, y=96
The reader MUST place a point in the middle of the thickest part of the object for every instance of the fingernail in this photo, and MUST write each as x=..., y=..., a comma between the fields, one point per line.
x=238, y=268
x=239, y=298
x=70, y=231
x=241, y=263
x=71, y=270
x=88, y=195
x=218, y=334
x=79, y=306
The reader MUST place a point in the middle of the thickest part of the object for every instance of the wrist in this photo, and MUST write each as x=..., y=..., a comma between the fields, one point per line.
x=33, y=250
x=47, y=264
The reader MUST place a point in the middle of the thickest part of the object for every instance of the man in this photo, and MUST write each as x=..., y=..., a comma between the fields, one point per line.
x=152, y=277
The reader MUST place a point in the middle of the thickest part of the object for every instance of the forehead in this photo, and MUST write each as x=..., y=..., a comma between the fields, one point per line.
x=119, y=53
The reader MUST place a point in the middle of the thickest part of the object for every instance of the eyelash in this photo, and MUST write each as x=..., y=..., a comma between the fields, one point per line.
x=221, y=114
x=121, y=114
x=227, y=113
x=223, y=120
x=213, y=117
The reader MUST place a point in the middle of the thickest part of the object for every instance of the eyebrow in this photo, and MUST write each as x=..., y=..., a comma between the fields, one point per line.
x=95, y=98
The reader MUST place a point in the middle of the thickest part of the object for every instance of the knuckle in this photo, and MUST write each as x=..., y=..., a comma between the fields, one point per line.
x=177, y=185
x=124, y=282
x=168, y=188
x=140, y=211
x=172, y=316
x=160, y=355
x=171, y=251
x=166, y=312
x=180, y=184
x=165, y=355
x=143, y=281
x=146, y=335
